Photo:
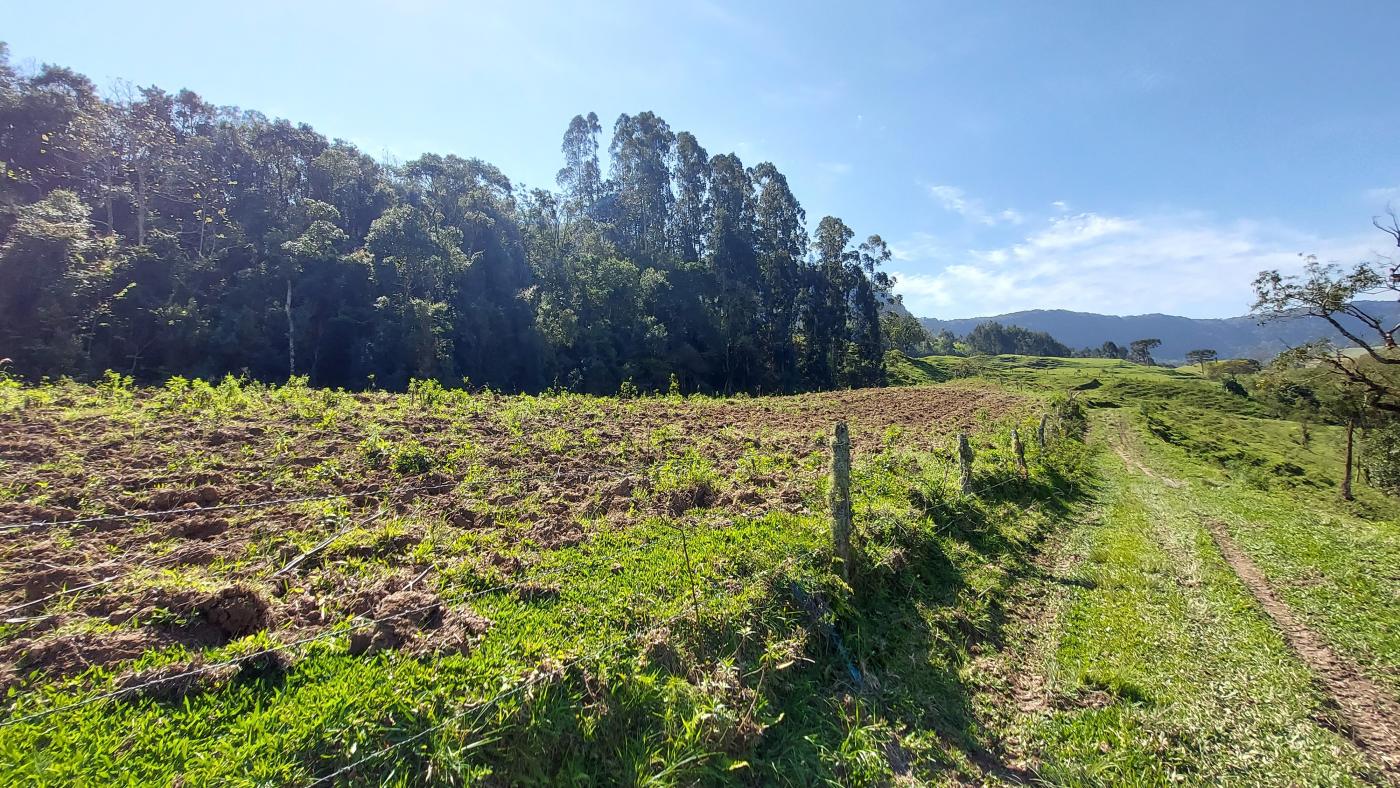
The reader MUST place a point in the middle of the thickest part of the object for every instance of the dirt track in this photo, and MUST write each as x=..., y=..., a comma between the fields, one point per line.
x=1372, y=716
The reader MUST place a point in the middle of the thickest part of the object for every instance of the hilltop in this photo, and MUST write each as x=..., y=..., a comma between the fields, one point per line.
x=1231, y=337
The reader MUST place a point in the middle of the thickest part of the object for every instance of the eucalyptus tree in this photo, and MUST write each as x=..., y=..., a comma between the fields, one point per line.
x=734, y=265
x=781, y=237
x=692, y=185
x=642, y=150
x=824, y=319
x=581, y=178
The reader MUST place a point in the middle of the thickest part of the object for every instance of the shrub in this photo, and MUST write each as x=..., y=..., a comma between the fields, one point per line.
x=412, y=459
x=1380, y=457
x=1234, y=387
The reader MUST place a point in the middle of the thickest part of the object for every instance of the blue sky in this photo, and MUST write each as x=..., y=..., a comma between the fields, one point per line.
x=1115, y=157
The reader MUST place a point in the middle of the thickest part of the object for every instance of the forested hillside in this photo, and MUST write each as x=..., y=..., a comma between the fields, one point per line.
x=1231, y=337
x=155, y=234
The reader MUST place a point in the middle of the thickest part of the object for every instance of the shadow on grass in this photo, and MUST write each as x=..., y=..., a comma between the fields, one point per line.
x=721, y=701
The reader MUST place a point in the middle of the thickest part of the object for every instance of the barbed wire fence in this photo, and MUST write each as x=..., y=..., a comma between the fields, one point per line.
x=840, y=548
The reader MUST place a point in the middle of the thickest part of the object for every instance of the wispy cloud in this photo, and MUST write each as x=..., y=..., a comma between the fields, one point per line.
x=955, y=200
x=835, y=167
x=1181, y=263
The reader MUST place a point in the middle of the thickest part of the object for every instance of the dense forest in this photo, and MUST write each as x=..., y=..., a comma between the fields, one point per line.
x=156, y=234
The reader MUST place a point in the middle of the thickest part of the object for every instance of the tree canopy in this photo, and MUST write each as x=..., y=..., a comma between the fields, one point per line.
x=1332, y=293
x=156, y=234
x=993, y=338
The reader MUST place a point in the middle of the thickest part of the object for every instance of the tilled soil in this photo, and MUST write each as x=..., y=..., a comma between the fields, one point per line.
x=184, y=493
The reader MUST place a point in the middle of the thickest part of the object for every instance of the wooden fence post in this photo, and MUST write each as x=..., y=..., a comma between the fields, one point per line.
x=841, y=498
x=965, y=462
x=1040, y=432
x=1019, y=449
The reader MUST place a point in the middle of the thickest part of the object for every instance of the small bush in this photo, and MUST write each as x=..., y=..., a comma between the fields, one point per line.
x=412, y=459
x=1380, y=457
x=686, y=482
x=1234, y=387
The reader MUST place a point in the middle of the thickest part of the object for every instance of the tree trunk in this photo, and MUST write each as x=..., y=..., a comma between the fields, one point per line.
x=291, y=341
x=1346, y=473
x=140, y=207
x=107, y=197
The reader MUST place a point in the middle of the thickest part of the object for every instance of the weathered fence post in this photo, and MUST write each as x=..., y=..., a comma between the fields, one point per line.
x=965, y=462
x=841, y=497
x=1019, y=449
x=1040, y=432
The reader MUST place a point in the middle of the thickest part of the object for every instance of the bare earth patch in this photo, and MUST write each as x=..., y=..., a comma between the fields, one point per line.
x=573, y=465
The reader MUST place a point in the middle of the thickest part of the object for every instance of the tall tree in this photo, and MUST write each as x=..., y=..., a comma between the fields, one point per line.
x=642, y=149
x=1201, y=357
x=1140, y=351
x=824, y=312
x=581, y=178
x=54, y=271
x=730, y=248
x=692, y=184
x=781, y=237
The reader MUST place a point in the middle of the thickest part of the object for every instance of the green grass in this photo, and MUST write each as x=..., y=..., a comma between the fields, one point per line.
x=697, y=647
x=706, y=641
x=1102, y=382
x=1162, y=671
x=1337, y=564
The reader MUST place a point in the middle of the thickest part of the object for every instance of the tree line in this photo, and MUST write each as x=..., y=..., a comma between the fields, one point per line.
x=991, y=338
x=156, y=234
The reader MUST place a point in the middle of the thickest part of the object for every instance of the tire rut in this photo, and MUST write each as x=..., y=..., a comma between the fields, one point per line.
x=1032, y=633
x=1371, y=716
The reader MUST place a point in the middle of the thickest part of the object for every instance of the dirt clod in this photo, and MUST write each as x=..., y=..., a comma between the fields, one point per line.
x=236, y=611
x=71, y=654
x=415, y=621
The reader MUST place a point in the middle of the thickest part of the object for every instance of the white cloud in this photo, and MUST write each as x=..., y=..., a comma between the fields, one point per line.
x=1060, y=205
x=835, y=167
x=955, y=200
x=917, y=247
x=1184, y=264
x=1066, y=232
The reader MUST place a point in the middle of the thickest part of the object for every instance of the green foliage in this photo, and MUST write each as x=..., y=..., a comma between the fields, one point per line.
x=180, y=238
x=1380, y=457
x=686, y=482
x=411, y=458
x=994, y=339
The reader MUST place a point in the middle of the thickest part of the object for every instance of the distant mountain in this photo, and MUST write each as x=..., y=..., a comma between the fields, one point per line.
x=1231, y=337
